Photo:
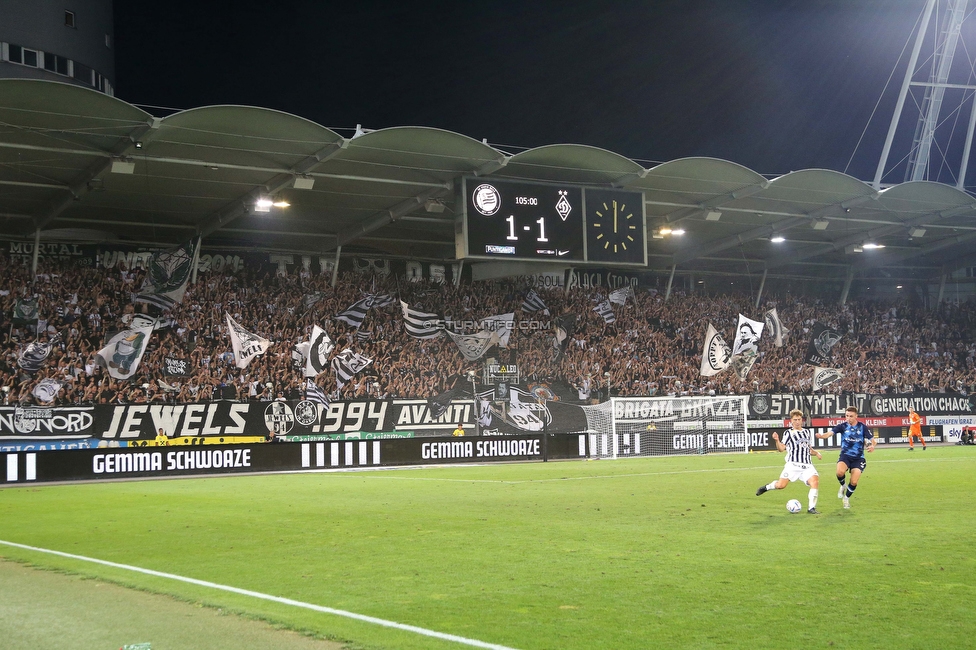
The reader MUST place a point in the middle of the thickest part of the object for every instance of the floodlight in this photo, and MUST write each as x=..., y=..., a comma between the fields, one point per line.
x=713, y=216
x=281, y=204
x=872, y=246
x=853, y=248
x=916, y=232
x=820, y=224
x=263, y=205
x=123, y=167
x=304, y=183
x=778, y=239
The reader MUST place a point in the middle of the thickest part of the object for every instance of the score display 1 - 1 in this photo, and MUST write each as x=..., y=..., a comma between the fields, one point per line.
x=519, y=220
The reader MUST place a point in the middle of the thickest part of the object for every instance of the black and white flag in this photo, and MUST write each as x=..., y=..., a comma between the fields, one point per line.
x=34, y=356
x=502, y=324
x=46, y=390
x=747, y=334
x=473, y=346
x=741, y=364
x=533, y=302
x=356, y=312
x=619, y=296
x=775, y=327
x=825, y=376
x=314, y=393
x=346, y=364
x=246, y=345
x=320, y=346
x=716, y=353
x=565, y=328
x=605, y=310
x=421, y=325
x=822, y=340
x=167, y=274
x=381, y=300
x=363, y=335
x=439, y=404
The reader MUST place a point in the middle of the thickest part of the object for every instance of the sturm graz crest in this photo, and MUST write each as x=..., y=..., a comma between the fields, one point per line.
x=306, y=413
x=718, y=353
x=760, y=404
x=825, y=342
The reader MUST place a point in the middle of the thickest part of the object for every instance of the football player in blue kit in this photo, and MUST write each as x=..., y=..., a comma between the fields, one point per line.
x=856, y=438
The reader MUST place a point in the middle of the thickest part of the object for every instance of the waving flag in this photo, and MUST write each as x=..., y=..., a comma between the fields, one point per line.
x=246, y=345
x=320, y=346
x=747, y=334
x=123, y=352
x=533, y=302
x=502, y=324
x=421, y=325
x=34, y=356
x=822, y=341
x=314, y=393
x=346, y=364
x=167, y=274
x=826, y=376
x=356, y=312
x=605, y=310
x=619, y=296
x=716, y=353
x=775, y=327
x=473, y=346
x=46, y=390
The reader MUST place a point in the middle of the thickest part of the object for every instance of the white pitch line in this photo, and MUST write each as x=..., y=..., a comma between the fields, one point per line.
x=277, y=599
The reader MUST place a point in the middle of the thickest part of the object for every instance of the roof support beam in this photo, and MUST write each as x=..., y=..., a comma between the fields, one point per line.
x=387, y=217
x=716, y=201
x=80, y=185
x=240, y=206
x=928, y=219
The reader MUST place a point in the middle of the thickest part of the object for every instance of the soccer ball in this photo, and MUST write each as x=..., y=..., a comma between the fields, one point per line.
x=793, y=506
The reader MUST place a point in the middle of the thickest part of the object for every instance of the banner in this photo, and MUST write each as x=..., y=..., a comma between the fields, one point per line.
x=473, y=346
x=766, y=405
x=173, y=367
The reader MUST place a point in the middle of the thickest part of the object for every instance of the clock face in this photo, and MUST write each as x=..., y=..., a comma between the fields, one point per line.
x=615, y=227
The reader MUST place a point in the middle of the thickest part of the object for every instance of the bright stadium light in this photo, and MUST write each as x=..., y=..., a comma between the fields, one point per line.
x=778, y=239
x=281, y=204
x=263, y=205
x=678, y=232
x=873, y=246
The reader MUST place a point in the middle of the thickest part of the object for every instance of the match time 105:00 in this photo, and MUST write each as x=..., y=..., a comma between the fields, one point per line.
x=526, y=200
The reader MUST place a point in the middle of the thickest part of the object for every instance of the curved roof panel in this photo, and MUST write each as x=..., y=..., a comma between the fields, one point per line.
x=72, y=158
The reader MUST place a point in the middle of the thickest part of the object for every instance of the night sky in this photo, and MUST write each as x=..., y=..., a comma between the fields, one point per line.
x=776, y=85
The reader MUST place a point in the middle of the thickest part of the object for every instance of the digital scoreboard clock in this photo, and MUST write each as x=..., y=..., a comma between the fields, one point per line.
x=517, y=220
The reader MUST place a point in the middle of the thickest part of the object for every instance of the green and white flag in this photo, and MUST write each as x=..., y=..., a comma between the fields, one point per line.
x=123, y=352
x=167, y=274
x=25, y=311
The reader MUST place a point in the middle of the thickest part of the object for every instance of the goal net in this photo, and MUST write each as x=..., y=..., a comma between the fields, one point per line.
x=666, y=426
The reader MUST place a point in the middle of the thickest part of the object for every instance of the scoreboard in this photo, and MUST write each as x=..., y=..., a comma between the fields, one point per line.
x=519, y=220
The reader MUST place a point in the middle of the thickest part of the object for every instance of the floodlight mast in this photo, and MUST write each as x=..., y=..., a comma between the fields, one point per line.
x=946, y=41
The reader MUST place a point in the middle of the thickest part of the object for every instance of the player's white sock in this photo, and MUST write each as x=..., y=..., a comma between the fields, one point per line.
x=812, y=497
x=771, y=486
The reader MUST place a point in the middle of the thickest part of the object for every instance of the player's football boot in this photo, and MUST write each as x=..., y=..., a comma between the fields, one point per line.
x=761, y=490
x=813, y=511
x=847, y=503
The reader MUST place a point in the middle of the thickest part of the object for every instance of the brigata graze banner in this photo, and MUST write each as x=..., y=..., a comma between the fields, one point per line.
x=765, y=405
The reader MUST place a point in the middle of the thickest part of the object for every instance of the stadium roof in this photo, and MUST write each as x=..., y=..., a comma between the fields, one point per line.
x=75, y=163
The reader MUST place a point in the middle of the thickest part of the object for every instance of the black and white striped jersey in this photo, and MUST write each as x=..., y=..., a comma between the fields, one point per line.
x=797, y=445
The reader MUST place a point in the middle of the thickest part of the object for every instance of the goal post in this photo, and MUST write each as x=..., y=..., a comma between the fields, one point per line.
x=627, y=427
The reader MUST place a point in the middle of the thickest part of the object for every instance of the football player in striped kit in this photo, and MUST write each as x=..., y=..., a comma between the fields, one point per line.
x=797, y=443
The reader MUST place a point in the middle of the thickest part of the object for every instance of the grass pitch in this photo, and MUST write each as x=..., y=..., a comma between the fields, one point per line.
x=662, y=552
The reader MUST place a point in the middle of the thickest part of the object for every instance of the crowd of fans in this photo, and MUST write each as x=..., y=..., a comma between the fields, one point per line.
x=653, y=348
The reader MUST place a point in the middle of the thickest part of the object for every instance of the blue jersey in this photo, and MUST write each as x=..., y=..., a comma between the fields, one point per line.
x=853, y=438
